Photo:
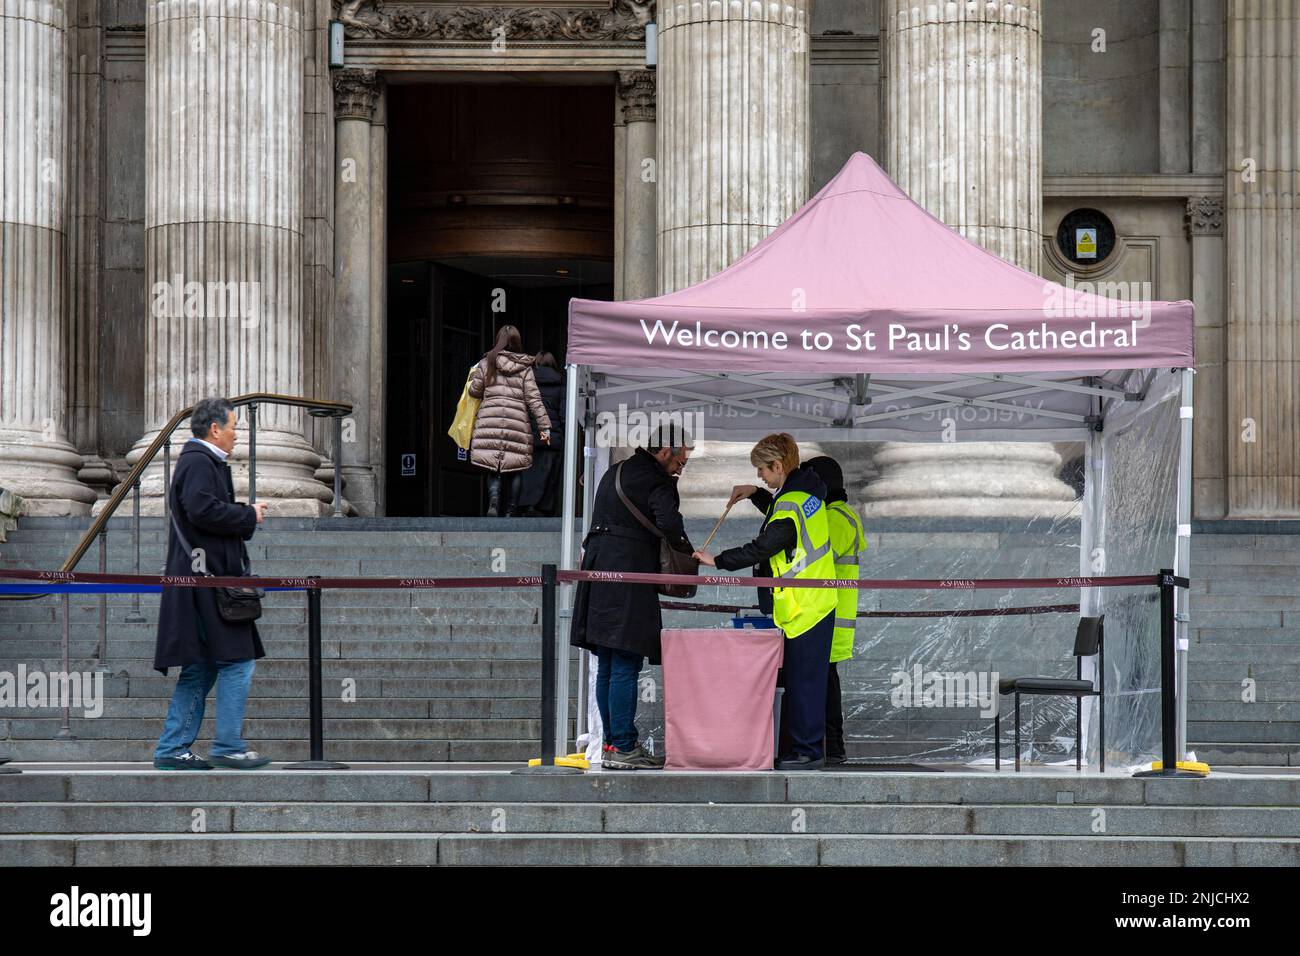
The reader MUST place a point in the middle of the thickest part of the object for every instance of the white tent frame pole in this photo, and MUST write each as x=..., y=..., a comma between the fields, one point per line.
x=1182, y=553
x=567, y=551
x=1092, y=530
x=588, y=497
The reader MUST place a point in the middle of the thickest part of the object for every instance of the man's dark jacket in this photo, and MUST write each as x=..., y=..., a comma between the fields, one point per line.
x=212, y=521
x=617, y=615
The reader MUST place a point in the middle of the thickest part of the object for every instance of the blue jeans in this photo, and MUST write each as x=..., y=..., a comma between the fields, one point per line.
x=616, y=684
x=186, y=711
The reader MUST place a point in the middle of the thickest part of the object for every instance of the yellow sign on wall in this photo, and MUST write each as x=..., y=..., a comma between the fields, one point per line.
x=1085, y=243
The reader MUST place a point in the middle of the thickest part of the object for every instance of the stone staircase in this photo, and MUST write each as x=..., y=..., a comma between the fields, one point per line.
x=435, y=675
x=122, y=816
x=454, y=675
x=1245, y=609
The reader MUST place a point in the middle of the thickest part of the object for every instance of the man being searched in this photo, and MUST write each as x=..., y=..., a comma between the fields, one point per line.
x=618, y=622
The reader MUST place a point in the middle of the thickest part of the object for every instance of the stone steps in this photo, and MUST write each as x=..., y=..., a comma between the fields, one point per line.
x=440, y=849
x=667, y=818
x=383, y=815
x=1246, y=624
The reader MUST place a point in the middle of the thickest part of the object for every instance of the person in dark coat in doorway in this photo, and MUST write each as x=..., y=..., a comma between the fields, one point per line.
x=192, y=635
x=537, y=486
x=617, y=622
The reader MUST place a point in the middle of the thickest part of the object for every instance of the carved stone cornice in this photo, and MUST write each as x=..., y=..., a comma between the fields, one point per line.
x=637, y=89
x=1204, y=216
x=355, y=93
x=373, y=19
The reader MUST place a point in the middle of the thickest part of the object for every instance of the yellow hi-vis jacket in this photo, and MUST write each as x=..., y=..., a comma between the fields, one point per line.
x=847, y=541
x=796, y=609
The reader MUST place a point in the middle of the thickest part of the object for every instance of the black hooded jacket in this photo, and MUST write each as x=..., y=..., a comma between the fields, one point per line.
x=774, y=537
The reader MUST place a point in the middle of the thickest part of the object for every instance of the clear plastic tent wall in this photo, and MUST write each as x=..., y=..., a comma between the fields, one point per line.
x=924, y=689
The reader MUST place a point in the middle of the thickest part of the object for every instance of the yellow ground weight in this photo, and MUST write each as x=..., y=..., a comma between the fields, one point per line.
x=572, y=760
x=1192, y=765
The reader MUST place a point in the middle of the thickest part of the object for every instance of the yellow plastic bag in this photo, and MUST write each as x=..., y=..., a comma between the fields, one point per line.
x=462, y=426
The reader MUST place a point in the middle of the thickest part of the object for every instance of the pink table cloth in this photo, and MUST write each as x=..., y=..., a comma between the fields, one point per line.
x=719, y=685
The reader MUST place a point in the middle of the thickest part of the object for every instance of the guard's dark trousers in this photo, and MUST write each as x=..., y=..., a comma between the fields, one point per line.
x=803, y=708
x=834, y=715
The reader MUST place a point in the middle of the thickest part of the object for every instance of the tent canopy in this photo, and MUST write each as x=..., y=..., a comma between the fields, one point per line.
x=864, y=318
x=862, y=312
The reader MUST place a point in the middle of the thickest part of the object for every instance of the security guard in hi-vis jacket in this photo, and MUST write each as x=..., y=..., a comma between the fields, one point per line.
x=848, y=541
x=794, y=543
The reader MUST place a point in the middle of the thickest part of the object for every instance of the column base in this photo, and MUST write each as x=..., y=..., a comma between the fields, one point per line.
x=714, y=468
x=286, y=480
x=44, y=474
x=98, y=474
x=362, y=490
x=969, y=480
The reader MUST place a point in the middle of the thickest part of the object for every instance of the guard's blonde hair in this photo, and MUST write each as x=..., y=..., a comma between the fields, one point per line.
x=776, y=448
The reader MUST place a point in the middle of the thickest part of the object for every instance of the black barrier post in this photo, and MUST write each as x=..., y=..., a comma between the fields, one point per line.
x=317, y=761
x=548, y=765
x=1168, y=683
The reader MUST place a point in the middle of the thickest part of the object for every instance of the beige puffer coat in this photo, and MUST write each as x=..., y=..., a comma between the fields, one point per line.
x=503, y=439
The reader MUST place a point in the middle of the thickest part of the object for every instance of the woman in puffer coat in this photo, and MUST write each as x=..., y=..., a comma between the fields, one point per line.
x=503, y=438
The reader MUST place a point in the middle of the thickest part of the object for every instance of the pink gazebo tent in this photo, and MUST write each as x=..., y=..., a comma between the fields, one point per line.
x=863, y=317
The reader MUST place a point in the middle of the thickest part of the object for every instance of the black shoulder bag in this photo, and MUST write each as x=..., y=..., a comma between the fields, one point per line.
x=235, y=605
x=671, y=561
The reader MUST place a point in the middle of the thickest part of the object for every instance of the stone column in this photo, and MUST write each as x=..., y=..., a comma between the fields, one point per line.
x=37, y=462
x=964, y=119
x=732, y=130
x=223, y=232
x=86, y=242
x=1263, y=249
x=317, y=219
x=732, y=133
x=378, y=300
x=1210, y=436
x=355, y=94
x=637, y=91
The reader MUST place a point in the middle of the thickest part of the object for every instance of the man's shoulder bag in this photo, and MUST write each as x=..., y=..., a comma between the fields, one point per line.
x=671, y=561
x=235, y=605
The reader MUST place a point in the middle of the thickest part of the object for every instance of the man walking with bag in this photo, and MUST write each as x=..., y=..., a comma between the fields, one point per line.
x=207, y=537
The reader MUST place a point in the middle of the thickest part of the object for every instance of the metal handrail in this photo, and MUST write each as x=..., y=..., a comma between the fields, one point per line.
x=317, y=407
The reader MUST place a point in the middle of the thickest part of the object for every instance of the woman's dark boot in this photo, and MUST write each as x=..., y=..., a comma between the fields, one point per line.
x=494, y=495
x=510, y=494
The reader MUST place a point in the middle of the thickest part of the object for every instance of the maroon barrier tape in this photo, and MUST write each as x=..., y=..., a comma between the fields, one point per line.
x=966, y=612
x=931, y=584
x=178, y=581
x=609, y=577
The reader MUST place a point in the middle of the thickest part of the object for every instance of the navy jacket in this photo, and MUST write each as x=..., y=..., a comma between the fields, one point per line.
x=190, y=630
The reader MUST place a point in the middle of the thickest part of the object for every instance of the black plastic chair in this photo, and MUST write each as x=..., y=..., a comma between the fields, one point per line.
x=1089, y=639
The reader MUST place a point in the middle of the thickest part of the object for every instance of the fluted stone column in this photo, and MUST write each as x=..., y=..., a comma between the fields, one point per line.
x=637, y=91
x=732, y=131
x=1263, y=247
x=355, y=95
x=37, y=462
x=223, y=231
x=964, y=120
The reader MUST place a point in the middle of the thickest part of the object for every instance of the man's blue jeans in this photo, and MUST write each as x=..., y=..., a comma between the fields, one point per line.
x=616, y=686
x=232, y=679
